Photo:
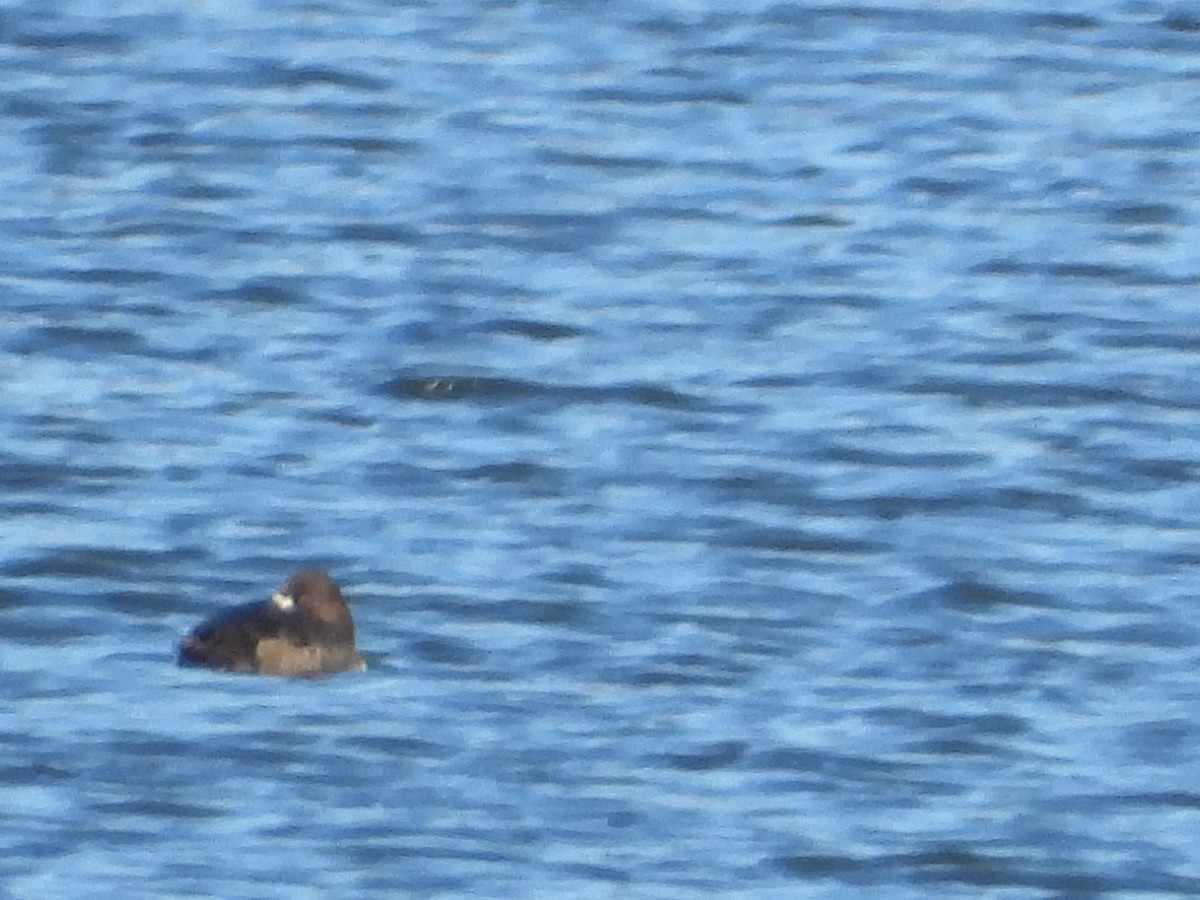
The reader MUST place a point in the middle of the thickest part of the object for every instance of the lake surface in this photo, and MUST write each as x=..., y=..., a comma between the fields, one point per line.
x=758, y=441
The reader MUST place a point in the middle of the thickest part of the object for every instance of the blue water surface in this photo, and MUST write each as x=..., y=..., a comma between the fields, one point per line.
x=758, y=442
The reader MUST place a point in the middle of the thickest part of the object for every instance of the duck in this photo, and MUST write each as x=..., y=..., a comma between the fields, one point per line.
x=305, y=628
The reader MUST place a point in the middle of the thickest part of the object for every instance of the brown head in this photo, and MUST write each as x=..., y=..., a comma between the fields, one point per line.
x=316, y=610
x=312, y=594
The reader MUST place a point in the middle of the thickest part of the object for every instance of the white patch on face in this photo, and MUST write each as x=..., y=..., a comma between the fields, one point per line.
x=282, y=601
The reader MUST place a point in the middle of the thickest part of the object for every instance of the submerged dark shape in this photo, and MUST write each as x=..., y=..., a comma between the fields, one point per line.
x=304, y=629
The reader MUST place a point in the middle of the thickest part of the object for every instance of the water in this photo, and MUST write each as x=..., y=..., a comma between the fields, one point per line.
x=757, y=441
